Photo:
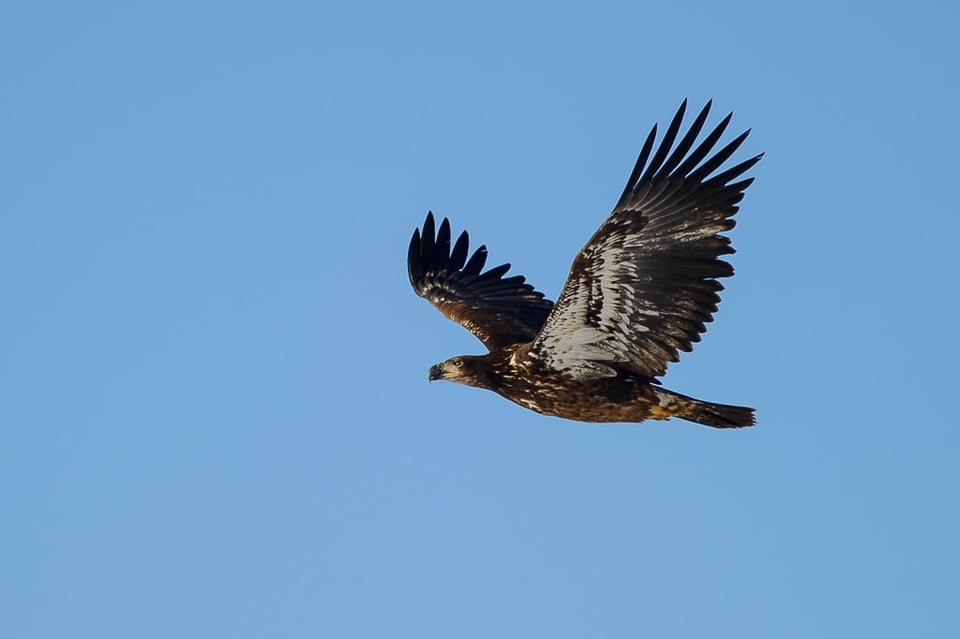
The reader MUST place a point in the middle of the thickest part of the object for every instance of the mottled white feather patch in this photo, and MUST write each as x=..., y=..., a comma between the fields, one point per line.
x=588, y=335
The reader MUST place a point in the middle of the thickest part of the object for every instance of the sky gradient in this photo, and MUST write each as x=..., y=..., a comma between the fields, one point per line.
x=216, y=419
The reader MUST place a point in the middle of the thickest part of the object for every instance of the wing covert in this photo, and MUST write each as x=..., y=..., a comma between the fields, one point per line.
x=645, y=285
x=499, y=311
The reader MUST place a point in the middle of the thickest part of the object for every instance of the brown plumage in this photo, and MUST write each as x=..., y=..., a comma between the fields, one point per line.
x=641, y=290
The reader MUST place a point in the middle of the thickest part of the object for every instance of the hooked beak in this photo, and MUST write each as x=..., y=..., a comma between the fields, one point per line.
x=436, y=372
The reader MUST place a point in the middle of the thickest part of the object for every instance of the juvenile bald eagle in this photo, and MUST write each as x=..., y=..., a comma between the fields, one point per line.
x=639, y=291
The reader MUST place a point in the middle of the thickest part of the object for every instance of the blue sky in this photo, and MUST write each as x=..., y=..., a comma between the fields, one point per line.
x=215, y=416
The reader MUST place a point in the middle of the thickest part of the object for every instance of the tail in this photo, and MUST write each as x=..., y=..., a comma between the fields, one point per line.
x=693, y=410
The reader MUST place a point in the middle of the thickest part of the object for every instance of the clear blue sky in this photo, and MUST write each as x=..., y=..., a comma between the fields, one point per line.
x=215, y=418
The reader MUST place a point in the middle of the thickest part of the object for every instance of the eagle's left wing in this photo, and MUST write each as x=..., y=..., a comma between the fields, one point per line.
x=499, y=311
x=643, y=287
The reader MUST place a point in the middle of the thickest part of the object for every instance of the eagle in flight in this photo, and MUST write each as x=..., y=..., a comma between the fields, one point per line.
x=641, y=290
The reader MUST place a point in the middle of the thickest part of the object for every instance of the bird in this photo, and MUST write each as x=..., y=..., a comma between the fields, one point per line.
x=641, y=290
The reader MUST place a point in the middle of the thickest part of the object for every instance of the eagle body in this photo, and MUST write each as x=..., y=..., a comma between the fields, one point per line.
x=640, y=291
x=513, y=374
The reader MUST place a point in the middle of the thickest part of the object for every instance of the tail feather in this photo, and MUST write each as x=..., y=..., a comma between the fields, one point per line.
x=706, y=413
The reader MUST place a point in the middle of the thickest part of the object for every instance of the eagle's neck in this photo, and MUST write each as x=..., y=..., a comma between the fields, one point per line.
x=504, y=366
x=484, y=372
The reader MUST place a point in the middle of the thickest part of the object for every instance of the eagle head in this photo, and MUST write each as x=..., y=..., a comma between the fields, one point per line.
x=471, y=370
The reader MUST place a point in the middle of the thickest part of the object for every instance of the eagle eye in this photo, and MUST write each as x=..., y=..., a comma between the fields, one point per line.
x=457, y=362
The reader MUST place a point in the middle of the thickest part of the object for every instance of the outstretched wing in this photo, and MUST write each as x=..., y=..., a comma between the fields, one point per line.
x=645, y=284
x=499, y=311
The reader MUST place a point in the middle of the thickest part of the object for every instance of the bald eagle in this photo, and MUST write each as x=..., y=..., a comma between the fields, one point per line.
x=641, y=290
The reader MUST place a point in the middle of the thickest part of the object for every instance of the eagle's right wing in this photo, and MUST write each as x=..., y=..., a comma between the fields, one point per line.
x=645, y=285
x=499, y=311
